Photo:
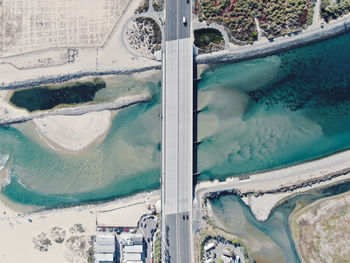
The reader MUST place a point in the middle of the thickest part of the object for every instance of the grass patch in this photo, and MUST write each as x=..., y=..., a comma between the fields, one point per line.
x=332, y=9
x=208, y=40
x=158, y=5
x=157, y=256
x=142, y=8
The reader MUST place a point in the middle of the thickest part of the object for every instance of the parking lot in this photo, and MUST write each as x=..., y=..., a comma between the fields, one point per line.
x=148, y=226
x=223, y=246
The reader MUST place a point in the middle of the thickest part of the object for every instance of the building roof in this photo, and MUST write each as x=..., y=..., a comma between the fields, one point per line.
x=105, y=258
x=209, y=246
x=98, y=248
x=105, y=240
x=137, y=238
x=132, y=256
x=132, y=239
x=226, y=259
x=133, y=249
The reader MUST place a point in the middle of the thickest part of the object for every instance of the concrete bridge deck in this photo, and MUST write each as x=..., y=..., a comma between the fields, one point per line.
x=177, y=133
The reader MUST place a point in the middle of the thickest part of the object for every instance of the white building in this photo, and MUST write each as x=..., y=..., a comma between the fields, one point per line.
x=209, y=246
x=101, y=248
x=133, y=249
x=132, y=257
x=226, y=259
x=209, y=260
x=137, y=239
x=104, y=258
x=104, y=248
x=105, y=239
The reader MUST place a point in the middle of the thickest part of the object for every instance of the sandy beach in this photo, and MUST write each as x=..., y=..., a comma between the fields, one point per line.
x=32, y=233
x=281, y=178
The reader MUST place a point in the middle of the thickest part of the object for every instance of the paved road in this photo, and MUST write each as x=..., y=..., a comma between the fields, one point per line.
x=177, y=134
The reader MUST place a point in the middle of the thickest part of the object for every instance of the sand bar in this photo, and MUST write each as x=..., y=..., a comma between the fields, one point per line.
x=278, y=179
x=74, y=133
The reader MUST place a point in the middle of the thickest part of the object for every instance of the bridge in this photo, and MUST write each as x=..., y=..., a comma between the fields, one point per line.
x=177, y=133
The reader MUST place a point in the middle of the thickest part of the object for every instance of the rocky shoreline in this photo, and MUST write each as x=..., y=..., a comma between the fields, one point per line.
x=262, y=202
x=280, y=44
x=67, y=77
x=283, y=189
x=287, y=42
x=80, y=110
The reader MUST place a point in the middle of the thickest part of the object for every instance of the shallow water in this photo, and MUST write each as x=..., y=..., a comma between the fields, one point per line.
x=276, y=111
x=126, y=162
x=269, y=241
x=256, y=115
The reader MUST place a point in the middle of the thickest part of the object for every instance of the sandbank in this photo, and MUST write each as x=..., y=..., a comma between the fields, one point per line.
x=74, y=133
x=335, y=168
x=72, y=128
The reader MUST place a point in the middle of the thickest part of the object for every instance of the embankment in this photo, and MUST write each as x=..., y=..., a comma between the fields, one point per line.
x=287, y=42
x=80, y=110
x=67, y=77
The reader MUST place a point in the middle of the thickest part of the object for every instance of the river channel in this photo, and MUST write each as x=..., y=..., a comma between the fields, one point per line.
x=255, y=115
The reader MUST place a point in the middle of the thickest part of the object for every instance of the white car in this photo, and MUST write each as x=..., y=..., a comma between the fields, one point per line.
x=184, y=20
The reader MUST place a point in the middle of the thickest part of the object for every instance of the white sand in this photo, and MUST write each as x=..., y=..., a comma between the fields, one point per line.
x=275, y=179
x=8, y=111
x=17, y=233
x=71, y=128
x=74, y=133
x=261, y=206
x=134, y=209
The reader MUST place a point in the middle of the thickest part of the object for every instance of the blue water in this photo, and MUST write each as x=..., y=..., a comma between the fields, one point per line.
x=256, y=115
x=269, y=241
x=275, y=111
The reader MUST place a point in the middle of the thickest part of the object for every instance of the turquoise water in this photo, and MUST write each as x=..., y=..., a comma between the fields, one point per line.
x=126, y=162
x=276, y=111
x=256, y=115
x=269, y=241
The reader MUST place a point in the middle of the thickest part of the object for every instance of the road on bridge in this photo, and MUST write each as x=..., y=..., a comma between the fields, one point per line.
x=177, y=133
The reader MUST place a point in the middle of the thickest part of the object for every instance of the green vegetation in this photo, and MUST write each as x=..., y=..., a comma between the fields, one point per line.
x=236, y=243
x=142, y=8
x=79, y=228
x=208, y=40
x=157, y=258
x=276, y=17
x=91, y=251
x=158, y=5
x=220, y=260
x=156, y=38
x=332, y=9
x=203, y=240
x=48, y=97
